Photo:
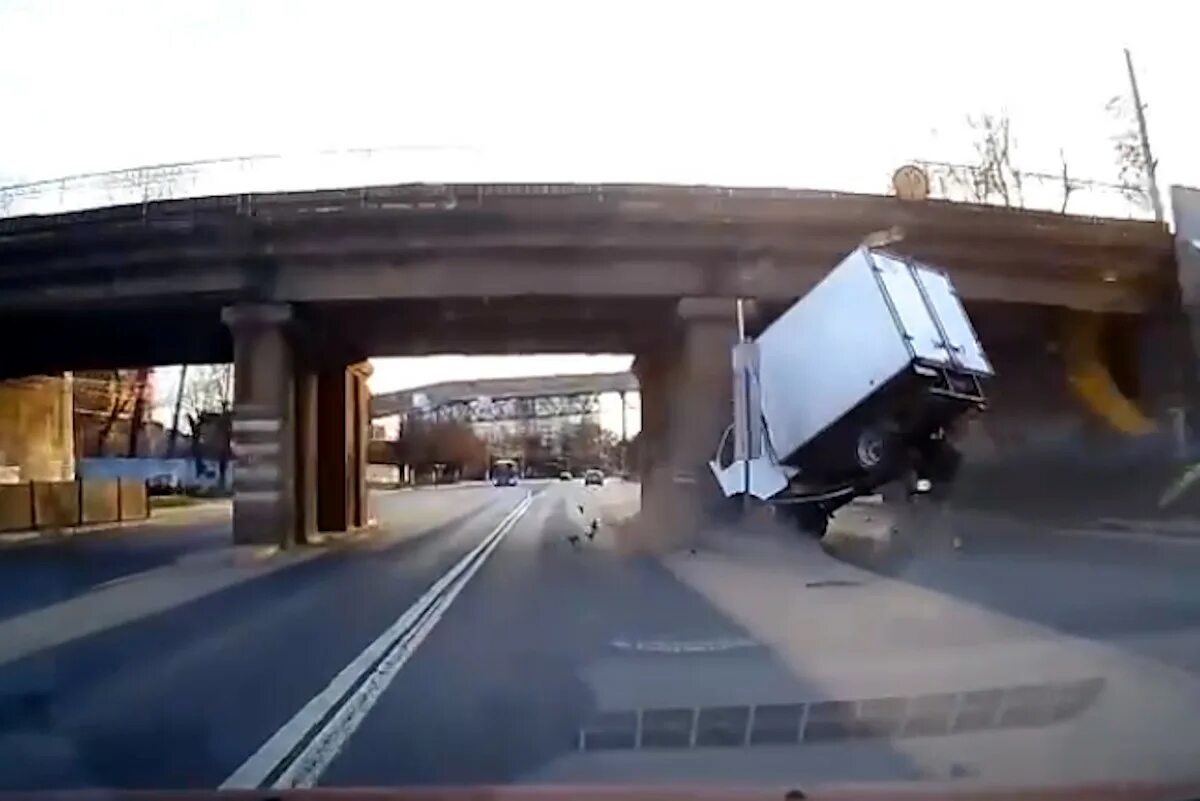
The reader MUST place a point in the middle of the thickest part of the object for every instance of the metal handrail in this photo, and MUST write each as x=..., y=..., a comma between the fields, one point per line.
x=366, y=166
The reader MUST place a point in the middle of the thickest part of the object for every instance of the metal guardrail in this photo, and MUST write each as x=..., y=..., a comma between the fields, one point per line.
x=329, y=169
x=1037, y=190
x=338, y=169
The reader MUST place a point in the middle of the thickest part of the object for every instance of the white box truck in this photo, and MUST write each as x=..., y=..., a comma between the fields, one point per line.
x=855, y=386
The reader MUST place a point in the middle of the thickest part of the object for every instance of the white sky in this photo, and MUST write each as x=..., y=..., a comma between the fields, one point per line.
x=788, y=93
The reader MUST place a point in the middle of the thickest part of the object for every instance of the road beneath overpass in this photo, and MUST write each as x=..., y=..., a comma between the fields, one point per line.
x=158, y=656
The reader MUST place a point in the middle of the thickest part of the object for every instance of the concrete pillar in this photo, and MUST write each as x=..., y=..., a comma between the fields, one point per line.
x=306, y=451
x=687, y=401
x=264, y=486
x=332, y=426
x=701, y=406
x=360, y=443
x=652, y=369
x=343, y=430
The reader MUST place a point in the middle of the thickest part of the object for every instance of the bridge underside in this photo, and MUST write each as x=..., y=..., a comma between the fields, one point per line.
x=299, y=288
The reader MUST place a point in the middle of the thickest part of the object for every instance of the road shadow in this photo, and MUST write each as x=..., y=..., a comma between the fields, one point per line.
x=181, y=698
x=1138, y=594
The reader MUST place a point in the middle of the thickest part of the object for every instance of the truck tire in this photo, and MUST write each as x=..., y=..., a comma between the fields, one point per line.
x=876, y=451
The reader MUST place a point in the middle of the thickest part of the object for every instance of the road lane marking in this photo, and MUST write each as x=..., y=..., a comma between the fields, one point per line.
x=300, y=751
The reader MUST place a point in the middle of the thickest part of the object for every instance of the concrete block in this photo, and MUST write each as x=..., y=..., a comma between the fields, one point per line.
x=100, y=501
x=55, y=504
x=16, y=507
x=135, y=505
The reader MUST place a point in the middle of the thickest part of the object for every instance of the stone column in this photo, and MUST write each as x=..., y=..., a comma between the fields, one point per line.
x=701, y=407
x=652, y=369
x=360, y=438
x=343, y=430
x=332, y=426
x=264, y=487
x=306, y=451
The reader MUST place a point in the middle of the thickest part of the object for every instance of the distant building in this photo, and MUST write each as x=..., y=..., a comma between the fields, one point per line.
x=105, y=404
x=36, y=442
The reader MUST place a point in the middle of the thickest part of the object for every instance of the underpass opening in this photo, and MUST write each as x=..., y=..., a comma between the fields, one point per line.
x=91, y=448
x=450, y=418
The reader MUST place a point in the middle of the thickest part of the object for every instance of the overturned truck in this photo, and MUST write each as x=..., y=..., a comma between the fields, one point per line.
x=855, y=387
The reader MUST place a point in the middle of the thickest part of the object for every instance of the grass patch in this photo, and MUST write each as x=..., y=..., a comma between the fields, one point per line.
x=173, y=501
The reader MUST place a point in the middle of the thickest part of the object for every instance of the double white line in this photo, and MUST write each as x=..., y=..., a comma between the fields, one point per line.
x=297, y=754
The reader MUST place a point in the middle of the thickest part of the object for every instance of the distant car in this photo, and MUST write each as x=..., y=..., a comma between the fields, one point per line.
x=565, y=476
x=593, y=478
x=164, y=484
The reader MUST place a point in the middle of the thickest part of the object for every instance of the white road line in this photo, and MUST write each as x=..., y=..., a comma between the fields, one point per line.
x=297, y=754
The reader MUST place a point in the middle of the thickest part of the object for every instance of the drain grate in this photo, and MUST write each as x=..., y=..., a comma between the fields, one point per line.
x=1017, y=706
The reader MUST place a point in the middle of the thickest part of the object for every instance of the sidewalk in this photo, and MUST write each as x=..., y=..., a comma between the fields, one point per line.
x=168, y=516
x=858, y=635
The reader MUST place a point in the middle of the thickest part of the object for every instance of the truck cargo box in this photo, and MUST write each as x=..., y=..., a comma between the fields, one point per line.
x=874, y=322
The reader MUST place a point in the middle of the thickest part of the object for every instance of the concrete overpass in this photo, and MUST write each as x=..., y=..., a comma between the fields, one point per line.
x=298, y=288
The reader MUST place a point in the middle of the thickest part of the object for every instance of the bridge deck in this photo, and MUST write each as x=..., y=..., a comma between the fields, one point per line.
x=564, y=240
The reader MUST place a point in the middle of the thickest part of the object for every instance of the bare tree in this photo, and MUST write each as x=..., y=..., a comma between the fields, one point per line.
x=992, y=177
x=208, y=389
x=586, y=444
x=1069, y=185
x=452, y=444
x=207, y=401
x=1133, y=169
x=119, y=399
x=173, y=434
x=141, y=386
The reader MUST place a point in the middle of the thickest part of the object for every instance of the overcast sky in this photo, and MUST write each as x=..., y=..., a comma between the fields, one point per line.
x=797, y=94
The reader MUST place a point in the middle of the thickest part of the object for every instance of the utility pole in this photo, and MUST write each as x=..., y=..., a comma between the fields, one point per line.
x=1144, y=137
x=624, y=434
x=624, y=424
x=748, y=428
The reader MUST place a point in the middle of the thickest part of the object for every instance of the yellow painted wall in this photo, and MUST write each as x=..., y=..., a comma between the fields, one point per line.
x=36, y=429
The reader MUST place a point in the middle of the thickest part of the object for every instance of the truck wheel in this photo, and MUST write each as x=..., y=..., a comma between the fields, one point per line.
x=870, y=449
x=876, y=452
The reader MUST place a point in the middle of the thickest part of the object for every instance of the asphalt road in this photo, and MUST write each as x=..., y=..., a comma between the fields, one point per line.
x=36, y=574
x=1140, y=594
x=557, y=662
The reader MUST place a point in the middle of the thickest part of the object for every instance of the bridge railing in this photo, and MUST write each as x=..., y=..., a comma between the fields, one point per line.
x=1027, y=189
x=328, y=169
x=336, y=169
